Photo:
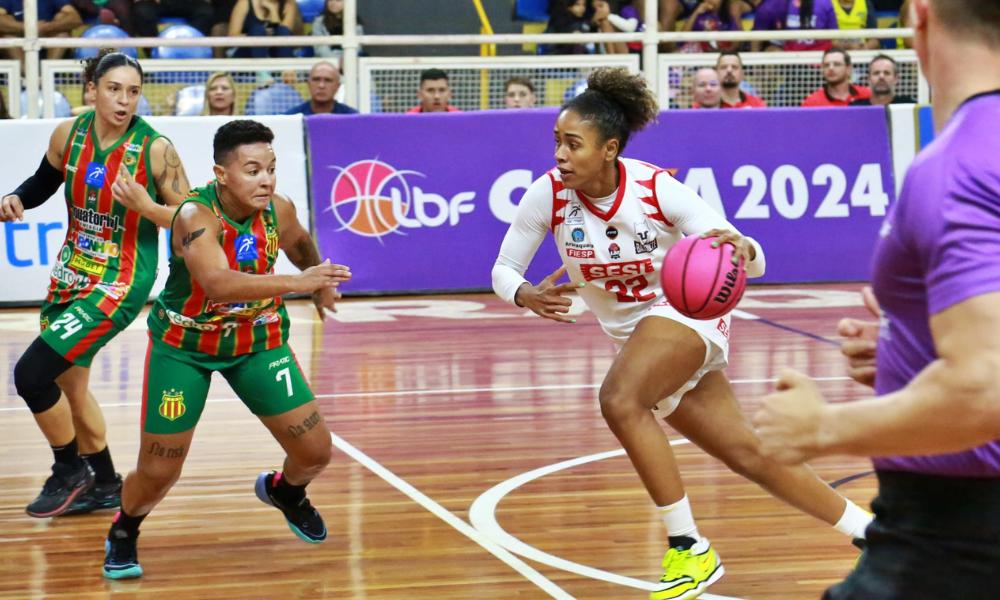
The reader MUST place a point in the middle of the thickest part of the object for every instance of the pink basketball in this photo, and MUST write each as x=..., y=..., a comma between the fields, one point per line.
x=700, y=281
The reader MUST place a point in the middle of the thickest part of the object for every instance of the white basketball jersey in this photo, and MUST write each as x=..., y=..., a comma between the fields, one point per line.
x=619, y=252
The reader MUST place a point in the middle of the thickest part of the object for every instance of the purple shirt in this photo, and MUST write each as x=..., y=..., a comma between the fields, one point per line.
x=939, y=246
x=774, y=15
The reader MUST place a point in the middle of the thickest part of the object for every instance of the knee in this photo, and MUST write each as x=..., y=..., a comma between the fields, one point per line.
x=617, y=406
x=316, y=457
x=35, y=384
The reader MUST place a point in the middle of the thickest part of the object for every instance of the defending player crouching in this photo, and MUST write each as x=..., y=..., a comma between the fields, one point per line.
x=222, y=311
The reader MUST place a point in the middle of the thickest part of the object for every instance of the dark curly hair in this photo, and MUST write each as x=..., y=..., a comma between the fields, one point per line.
x=617, y=103
x=106, y=59
x=237, y=133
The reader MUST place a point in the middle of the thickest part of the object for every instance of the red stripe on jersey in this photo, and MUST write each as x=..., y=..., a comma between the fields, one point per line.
x=244, y=340
x=557, y=203
x=145, y=382
x=296, y=359
x=88, y=340
x=655, y=203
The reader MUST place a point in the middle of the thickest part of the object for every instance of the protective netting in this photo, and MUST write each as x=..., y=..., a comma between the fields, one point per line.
x=394, y=87
x=780, y=85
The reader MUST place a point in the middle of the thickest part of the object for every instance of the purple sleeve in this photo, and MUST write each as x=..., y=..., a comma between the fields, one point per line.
x=769, y=15
x=827, y=19
x=963, y=262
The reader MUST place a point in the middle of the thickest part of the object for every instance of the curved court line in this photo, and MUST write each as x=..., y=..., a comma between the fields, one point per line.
x=445, y=515
x=482, y=515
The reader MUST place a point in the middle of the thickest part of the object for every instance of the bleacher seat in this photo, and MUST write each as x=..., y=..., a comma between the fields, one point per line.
x=310, y=9
x=190, y=101
x=273, y=100
x=104, y=31
x=179, y=52
x=62, y=107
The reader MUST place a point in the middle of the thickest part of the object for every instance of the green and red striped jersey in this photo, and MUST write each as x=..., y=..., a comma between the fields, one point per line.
x=184, y=317
x=110, y=252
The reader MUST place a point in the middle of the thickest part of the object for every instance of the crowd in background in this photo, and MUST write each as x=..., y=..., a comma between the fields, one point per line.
x=720, y=87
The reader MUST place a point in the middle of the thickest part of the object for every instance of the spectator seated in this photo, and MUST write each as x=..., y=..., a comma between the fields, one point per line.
x=62, y=107
x=104, y=31
x=190, y=101
x=273, y=100
x=181, y=52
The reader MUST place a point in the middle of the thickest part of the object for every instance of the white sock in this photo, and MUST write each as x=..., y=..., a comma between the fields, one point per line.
x=679, y=520
x=854, y=522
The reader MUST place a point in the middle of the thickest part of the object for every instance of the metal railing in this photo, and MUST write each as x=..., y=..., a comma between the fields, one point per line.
x=351, y=43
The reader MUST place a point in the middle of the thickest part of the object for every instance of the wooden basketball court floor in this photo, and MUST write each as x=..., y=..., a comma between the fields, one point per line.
x=465, y=429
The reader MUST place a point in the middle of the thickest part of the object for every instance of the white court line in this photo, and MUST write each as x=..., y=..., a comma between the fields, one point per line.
x=483, y=518
x=445, y=515
x=495, y=390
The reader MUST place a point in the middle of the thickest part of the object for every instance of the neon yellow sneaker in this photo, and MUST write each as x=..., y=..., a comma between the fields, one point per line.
x=688, y=573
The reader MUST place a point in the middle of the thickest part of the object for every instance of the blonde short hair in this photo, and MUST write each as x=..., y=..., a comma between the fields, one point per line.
x=205, y=108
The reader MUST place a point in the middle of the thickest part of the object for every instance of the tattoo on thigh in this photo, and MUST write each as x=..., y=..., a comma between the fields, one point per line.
x=155, y=449
x=307, y=425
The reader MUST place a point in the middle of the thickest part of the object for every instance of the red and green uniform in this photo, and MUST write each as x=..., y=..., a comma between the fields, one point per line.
x=107, y=265
x=191, y=336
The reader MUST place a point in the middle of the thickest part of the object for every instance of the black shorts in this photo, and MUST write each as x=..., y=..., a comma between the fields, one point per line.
x=933, y=538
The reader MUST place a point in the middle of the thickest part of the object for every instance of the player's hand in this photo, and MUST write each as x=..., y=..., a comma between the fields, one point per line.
x=744, y=249
x=862, y=341
x=130, y=193
x=321, y=276
x=325, y=299
x=546, y=299
x=790, y=422
x=11, y=209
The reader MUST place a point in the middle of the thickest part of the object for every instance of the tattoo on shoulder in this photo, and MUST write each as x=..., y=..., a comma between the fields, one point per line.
x=172, y=165
x=189, y=239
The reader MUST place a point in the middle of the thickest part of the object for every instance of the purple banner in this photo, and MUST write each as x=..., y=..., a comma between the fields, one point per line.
x=422, y=202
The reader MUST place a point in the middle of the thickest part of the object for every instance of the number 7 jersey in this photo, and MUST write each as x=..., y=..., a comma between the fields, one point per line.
x=615, y=245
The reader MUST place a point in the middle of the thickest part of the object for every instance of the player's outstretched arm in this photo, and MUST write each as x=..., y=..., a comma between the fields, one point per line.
x=196, y=239
x=46, y=181
x=169, y=178
x=299, y=247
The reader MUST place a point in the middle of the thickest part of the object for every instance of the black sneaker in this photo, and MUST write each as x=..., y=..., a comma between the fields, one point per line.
x=61, y=489
x=121, y=558
x=302, y=518
x=102, y=495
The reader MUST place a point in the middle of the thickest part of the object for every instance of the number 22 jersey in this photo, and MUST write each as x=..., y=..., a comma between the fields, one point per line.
x=615, y=245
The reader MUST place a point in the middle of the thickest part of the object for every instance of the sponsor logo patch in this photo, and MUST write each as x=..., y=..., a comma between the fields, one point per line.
x=574, y=214
x=574, y=253
x=129, y=160
x=96, y=246
x=616, y=251
x=96, y=174
x=115, y=290
x=82, y=263
x=133, y=147
x=187, y=322
x=578, y=235
x=637, y=267
x=246, y=247
x=278, y=363
x=647, y=240
x=91, y=220
x=611, y=232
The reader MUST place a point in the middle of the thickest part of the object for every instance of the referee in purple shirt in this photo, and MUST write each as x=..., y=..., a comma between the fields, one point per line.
x=934, y=426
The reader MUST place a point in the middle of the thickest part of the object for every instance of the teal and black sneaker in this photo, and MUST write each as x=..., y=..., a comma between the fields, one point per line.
x=101, y=496
x=302, y=518
x=121, y=559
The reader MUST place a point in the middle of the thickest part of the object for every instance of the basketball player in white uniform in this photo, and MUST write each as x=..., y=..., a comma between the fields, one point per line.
x=614, y=220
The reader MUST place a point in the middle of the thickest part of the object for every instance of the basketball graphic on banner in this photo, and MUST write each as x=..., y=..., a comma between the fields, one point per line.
x=362, y=197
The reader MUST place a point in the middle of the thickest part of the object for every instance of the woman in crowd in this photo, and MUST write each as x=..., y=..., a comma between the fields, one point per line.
x=331, y=22
x=220, y=95
x=711, y=15
x=264, y=18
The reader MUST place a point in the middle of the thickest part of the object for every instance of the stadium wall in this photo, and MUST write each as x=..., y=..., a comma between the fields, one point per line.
x=422, y=204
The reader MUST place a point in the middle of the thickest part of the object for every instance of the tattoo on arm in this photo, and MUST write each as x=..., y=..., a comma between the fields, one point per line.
x=172, y=166
x=304, y=254
x=189, y=239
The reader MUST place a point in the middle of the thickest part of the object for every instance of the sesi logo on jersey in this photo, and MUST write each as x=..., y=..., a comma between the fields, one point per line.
x=637, y=267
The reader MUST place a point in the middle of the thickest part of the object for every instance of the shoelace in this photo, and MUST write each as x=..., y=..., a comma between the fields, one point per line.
x=674, y=565
x=122, y=551
x=57, y=479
